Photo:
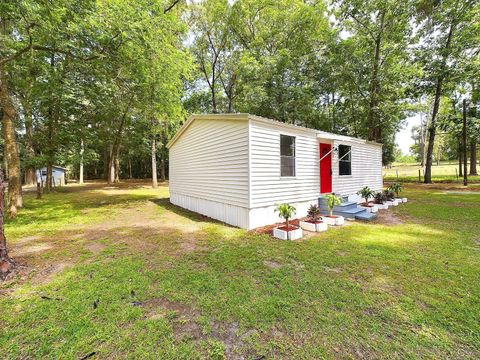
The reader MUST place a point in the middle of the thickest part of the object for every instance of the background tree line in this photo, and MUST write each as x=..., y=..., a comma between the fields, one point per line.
x=101, y=86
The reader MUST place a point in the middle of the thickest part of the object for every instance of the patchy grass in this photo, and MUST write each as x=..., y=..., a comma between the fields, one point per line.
x=122, y=273
x=443, y=173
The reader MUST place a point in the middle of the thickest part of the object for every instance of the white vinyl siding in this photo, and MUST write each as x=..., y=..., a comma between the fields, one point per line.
x=210, y=161
x=366, y=168
x=267, y=186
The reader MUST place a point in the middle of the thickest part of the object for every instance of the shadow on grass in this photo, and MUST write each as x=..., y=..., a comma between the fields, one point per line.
x=165, y=204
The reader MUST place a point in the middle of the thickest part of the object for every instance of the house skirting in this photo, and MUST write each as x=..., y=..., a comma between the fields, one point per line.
x=230, y=214
x=266, y=215
x=237, y=215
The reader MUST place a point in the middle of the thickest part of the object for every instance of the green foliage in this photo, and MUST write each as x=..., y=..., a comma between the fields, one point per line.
x=313, y=212
x=380, y=197
x=397, y=188
x=285, y=211
x=332, y=200
x=366, y=193
x=389, y=194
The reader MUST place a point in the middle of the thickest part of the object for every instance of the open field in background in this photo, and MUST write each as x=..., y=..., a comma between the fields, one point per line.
x=121, y=273
x=445, y=172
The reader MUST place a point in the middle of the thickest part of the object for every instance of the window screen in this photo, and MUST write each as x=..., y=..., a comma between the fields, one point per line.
x=345, y=160
x=287, y=155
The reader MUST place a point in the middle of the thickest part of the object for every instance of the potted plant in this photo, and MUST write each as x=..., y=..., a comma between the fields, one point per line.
x=331, y=219
x=367, y=193
x=287, y=231
x=314, y=221
x=390, y=196
x=380, y=200
x=397, y=188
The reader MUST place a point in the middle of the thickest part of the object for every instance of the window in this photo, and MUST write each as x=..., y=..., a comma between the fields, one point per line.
x=287, y=155
x=344, y=160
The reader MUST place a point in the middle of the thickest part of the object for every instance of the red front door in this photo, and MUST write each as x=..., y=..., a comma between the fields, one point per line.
x=325, y=168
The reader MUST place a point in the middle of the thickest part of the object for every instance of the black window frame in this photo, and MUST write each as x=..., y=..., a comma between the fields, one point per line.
x=288, y=166
x=345, y=164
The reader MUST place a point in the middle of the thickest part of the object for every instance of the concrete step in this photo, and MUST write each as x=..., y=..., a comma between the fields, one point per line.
x=366, y=216
x=341, y=207
x=350, y=214
x=347, y=209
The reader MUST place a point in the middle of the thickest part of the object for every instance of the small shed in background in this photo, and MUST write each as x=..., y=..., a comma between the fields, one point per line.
x=58, y=175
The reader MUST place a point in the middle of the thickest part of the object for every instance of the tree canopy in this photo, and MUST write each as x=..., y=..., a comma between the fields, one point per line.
x=101, y=86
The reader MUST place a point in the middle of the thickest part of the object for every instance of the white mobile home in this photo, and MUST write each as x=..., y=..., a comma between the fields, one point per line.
x=236, y=167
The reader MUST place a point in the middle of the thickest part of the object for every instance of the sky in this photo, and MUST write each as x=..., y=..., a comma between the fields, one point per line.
x=404, y=136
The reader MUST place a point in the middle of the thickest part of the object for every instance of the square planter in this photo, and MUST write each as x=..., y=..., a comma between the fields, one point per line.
x=392, y=203
x=382, y=206
x=333, y=220
x=370, y=209
x=404, y=200
x=295, y=234
x=315, y=227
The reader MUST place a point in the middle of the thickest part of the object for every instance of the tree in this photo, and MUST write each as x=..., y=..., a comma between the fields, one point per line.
x=211, y=31
x=447, y=31
x=6, y=263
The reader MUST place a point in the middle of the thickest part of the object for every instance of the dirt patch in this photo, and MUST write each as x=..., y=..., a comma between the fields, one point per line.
x=272, y=264
x=47, y=274
x=95, y=247
x=386, y=217
x=27, y=239
x=332, y=269
x=27, y=250
x=184, y=320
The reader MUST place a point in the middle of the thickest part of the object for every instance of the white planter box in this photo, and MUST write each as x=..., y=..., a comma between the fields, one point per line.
x=322, y=226
x=399, y=200
x=337, y=220
x=381, y=206
x=404, y=200
x=291, y=235
x=392, y=203
x=370, y=209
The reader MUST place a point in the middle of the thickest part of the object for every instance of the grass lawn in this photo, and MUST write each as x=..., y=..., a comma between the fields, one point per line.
x=118, y=272
x=445, y=172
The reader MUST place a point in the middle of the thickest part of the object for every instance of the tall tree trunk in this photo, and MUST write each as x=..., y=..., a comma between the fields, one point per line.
x=372, y=117
x=82, y=151
x=11, y=149
x=49, y=179
x=473, y=157
x=431, y=132
x=214, y=100
x=111, y=168
x=154, y=163
x=30, y=177
x=6, y=263
x=460, y=161
x=436, y=105
x=114, y=163
x=117, y=168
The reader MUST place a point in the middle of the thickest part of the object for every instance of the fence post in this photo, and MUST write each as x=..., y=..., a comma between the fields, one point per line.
x=456, y=174
x=397, y=174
